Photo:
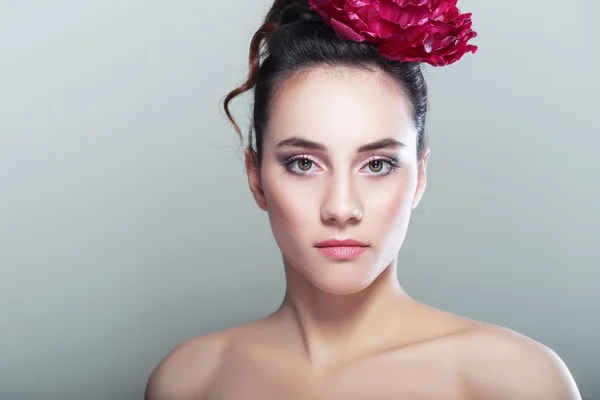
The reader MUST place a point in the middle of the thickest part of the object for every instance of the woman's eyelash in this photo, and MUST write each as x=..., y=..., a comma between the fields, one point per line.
x=394, y=161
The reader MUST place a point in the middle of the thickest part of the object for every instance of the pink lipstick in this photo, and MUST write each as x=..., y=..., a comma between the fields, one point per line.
x=342, y=249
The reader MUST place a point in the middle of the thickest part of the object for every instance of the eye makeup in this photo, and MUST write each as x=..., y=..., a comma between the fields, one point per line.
x=306, y=165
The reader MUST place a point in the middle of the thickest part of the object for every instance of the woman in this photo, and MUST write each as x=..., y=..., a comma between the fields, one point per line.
x=339, y=161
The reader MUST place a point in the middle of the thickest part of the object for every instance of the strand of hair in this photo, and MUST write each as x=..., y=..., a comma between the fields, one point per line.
x=254, y=63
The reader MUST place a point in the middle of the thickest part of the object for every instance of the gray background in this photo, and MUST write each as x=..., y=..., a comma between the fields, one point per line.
x=126, y=225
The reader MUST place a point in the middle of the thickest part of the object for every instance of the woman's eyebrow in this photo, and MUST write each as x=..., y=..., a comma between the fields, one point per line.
x=301, y=143
x=387, y=143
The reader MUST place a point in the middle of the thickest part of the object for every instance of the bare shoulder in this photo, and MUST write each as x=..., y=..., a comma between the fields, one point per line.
x=187, y=371
x=503, y=364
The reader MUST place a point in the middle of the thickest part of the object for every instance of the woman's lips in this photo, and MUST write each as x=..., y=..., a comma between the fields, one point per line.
x=342, y=249
x=342, y=252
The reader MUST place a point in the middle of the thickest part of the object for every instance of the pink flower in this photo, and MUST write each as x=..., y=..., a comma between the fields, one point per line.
x=429, y=31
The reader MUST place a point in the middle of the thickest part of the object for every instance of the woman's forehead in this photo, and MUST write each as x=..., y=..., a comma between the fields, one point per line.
x=329, y=105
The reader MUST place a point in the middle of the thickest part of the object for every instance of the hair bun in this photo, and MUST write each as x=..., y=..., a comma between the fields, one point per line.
x=298, y=11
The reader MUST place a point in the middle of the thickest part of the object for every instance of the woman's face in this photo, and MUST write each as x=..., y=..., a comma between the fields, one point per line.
x=340, y=163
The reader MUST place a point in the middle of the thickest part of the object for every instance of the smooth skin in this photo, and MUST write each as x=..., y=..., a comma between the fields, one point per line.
x=340, y=162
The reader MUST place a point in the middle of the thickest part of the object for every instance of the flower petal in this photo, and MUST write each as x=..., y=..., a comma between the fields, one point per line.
x=431, y=31
x=345, y=32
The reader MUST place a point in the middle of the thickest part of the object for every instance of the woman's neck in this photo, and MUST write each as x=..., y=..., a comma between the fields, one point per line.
x=332, y=329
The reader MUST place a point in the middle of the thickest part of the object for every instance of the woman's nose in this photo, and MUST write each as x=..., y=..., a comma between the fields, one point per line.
x=341, y=204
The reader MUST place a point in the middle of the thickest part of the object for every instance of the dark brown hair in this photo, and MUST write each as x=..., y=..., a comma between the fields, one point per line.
x=293, y=39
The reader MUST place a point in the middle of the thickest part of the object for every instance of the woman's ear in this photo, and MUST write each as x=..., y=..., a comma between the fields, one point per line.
x=254, y=181
x=422, y=179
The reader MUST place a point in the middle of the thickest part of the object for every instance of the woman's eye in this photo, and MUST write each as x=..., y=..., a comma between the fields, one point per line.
x=378, y=167
x=302, y=166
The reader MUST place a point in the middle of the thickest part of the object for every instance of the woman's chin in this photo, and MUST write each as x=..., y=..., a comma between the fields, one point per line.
x=340, y=283
x=334, y=277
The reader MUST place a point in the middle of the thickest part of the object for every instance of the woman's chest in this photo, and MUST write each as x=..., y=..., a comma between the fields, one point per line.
x=396, y=376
